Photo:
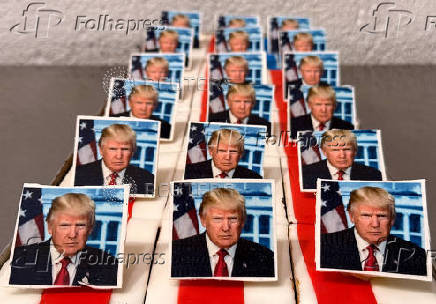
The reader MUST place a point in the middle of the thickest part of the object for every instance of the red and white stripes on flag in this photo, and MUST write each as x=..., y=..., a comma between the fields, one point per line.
x=185, y=221
x=117, y=95
x=87, y=150
x=333, y=217
x=31, y=220
x=309, y=148
x=197, y=147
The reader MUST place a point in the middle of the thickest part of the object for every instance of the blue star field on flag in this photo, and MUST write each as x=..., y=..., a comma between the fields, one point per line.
x=196, y=135
x=331, y=196
x=183, y=200
x=86, y=132
x=30, y=205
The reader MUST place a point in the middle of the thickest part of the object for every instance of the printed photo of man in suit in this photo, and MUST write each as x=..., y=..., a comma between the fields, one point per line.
x=322, y=104
x=117, y=145
x=311, y=69
x=237, y=22
x=168, y=41
x=303, y=42
x=289, y=25
x=156, y=69
x=241, y=99
x=220, y=251
x=236, y=69
x=226, y=148
x=181, y=20
x=239, y=41
x=143, y=99
x=65, y=259
x=369, y=245
x=340, y=149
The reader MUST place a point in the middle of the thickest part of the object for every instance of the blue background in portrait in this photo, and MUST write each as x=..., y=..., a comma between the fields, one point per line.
x=259, y=225
x=254, y=37
x=409, y=222
x=272, y=39
x=345, y=102
x=176, y=64
x=106, y=234
x=168, y=95
x=330, y=62
x=255, y=64
x=254, y=143
x=194, y=20
x=319, y=38
x=264, y=99
x=185, y=38
x=249, y=20
x=303, y=23
x=369, y=149
x=146, y=141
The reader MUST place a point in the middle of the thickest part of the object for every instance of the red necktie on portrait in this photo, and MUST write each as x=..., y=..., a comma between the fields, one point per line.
x=113, y=177
x=223, y=175
x=63, y=277
x=321, y=126
x=221, y=269
x=371, y=262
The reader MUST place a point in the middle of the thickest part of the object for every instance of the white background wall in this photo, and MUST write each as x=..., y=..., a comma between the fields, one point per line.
x=343, y=19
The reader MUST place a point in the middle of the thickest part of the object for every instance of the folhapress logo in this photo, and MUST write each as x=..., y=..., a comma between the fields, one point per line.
x=388, y=20
x=37, y=20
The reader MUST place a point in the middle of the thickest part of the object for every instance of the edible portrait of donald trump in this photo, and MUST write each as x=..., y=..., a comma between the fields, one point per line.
x=236, y=69
x=117, y=146
x=65, y=259
x=373, y=243
x=321, y=100
x=226, y=148
x=143, y=100
x=340, y=148
x=220, y=251
x=241, y=100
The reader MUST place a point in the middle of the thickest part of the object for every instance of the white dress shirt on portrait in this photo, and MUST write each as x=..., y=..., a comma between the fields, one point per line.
x=107, y=175
x=316, y=123
x=213, y=256
x=363, y=252
x=334, y=172
x=234, y=119
x=216, y=172
x=56, y=258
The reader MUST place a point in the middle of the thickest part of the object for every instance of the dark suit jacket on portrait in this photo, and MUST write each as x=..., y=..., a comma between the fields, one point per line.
x=31, y=265
x=252, y=119
x=320, y=170
x=165, y=127
x=339, y=251
x=304, y=123
x=141, y=181
x=190, y=258
x=204, y=170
